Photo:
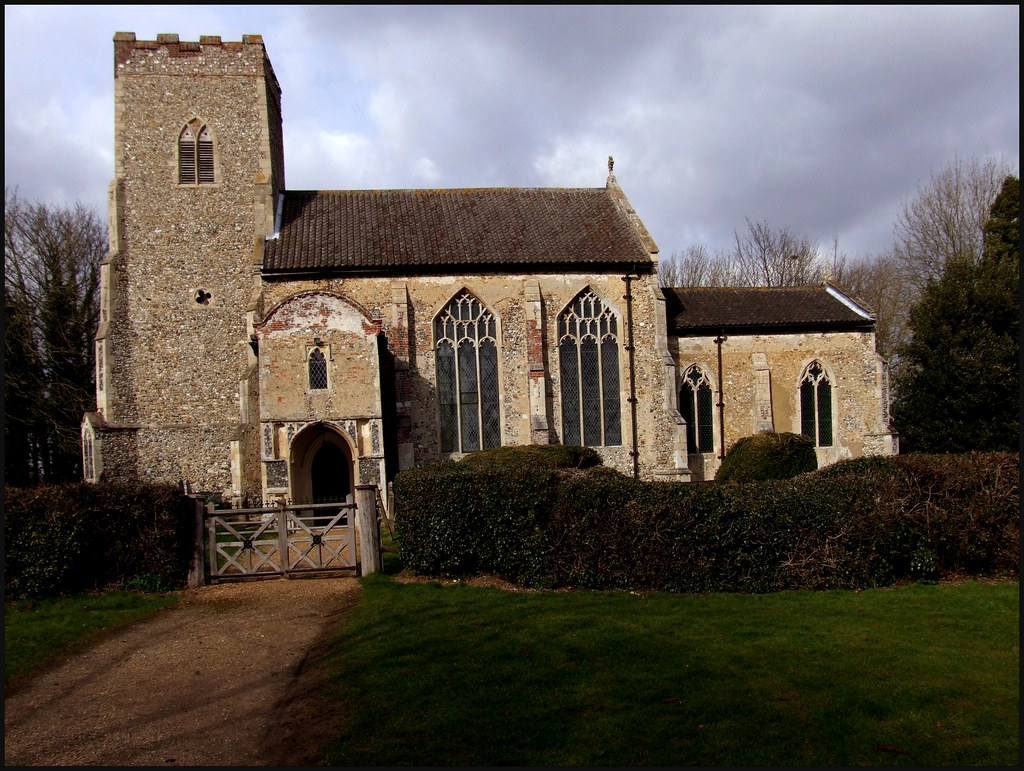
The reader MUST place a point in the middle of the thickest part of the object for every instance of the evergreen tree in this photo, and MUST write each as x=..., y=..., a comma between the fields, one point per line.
x=961, y=385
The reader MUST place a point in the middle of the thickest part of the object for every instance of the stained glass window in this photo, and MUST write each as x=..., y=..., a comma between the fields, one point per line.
x=588, y=356
x=466, y=355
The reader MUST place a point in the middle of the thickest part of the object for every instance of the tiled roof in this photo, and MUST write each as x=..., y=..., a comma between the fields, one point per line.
x=751, y=309
x=382, y=231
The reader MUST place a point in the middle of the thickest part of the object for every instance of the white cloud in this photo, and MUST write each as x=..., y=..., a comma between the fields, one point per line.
x=817, y=118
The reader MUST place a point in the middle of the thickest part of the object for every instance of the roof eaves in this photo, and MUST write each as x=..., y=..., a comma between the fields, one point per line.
x=782, y=328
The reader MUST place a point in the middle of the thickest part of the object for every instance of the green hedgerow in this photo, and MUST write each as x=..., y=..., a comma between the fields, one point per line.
x=768, y=456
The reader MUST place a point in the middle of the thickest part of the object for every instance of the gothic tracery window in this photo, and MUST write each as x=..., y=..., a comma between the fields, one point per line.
x=696, y=404
x=317, y=370
x=816, y=405
x=195, y=155
x=588, y=356
x=465, y=336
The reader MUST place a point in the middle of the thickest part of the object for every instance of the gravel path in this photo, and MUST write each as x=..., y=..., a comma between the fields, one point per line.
x=224, y=677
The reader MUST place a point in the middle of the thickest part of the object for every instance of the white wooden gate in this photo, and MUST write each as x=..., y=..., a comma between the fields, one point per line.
x=280, y=540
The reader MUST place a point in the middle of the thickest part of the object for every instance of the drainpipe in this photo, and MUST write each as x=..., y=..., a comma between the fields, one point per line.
x=628, y=278
x=721, y=397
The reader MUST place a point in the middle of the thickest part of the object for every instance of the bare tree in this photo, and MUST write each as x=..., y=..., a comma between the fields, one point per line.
x=878, y=283
x=946, y=221
x=51, y=282
x=764, y=256
x=695, y=266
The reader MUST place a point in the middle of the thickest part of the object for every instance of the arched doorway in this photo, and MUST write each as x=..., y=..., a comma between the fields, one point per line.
x=329, y=474
x=321, y=465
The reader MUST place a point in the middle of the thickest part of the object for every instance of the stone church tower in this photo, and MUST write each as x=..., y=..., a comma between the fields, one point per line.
x=198, y=166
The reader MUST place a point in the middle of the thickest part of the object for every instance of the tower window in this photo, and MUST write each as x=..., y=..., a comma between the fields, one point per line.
x=195, y=155
x=88, y=460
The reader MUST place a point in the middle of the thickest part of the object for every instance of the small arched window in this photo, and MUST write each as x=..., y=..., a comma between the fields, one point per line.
x=88, y=460
x=696, y=404
x=588, y=356
x=317, y=370
x=466, y=354
x=816, y=405
x=195, y=155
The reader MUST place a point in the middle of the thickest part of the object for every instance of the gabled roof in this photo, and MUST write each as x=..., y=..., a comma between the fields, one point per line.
x=375, y=232
x=749, y=310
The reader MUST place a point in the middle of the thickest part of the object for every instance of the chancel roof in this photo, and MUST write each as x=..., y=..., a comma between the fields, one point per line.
x=374, y=232
x=706, y=310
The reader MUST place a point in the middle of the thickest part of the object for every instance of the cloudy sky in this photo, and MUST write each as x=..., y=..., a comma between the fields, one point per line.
x=824, y=119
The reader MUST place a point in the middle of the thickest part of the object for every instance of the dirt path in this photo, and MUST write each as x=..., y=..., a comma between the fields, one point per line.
x=222, y=678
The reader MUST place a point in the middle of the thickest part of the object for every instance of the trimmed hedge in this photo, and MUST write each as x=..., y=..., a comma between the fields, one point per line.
x=454, y=519
x=534, y=456
x=768, y=456
x=857, y=524
x=67, y=539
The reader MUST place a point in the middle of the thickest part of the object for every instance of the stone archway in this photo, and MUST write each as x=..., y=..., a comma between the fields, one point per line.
x=321, y=465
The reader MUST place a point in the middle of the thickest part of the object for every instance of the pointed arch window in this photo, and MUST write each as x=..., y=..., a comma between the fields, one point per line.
x=588, y=357
x=816, y=405
x=317, y=364
x=696, y=404
x=195, y=155
x=88, y=459
x=466, y=345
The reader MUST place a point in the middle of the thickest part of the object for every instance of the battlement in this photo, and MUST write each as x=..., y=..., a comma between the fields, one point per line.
x=168, y=49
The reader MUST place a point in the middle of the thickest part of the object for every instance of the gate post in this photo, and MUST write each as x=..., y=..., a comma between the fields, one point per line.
x=196, y=571
x=369, y=529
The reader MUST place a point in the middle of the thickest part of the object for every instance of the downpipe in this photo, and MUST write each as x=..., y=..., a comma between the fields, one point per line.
x=634, y=453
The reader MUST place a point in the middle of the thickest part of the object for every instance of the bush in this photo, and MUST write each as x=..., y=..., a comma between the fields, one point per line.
x=534, y=456
x=768, y=456
x=857, y=524
x=454, y=519
x=67, y=539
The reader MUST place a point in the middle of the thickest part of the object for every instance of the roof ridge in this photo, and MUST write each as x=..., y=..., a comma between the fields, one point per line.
x=453, y=189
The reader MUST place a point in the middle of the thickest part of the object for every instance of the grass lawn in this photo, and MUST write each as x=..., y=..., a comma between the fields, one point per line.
x=922, y=675
x=39, y=632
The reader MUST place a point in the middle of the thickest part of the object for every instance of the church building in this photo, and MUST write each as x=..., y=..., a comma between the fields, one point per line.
x=260, y=343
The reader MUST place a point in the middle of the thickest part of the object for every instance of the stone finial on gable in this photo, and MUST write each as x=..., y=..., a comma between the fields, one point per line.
x=627, y=208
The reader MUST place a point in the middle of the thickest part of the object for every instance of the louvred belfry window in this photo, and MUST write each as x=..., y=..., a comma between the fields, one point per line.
x=816, y=405
x=466, y=346
x=588, y=356
x=195, y=155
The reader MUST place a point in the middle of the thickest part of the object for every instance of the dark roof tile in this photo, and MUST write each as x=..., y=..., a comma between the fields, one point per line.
x=379, y=231
x=750, y=309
